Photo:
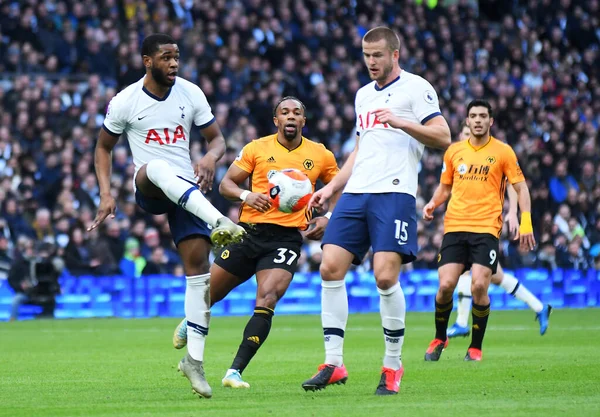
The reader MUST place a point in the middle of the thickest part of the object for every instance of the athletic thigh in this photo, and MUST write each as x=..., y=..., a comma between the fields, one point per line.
x=483, y=248
x=348, y=228
x=238, y=259
x=392, y=223
x=454, y=250
x=147, y=187
x=222, y=282
x=271, y=286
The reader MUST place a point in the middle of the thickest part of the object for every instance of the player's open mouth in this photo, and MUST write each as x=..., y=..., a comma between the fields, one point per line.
x=374, y=71
x=289, y=128
x=171, y=76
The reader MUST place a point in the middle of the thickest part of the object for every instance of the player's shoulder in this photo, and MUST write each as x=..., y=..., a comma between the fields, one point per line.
x=186, y=85
x=414, y=83
x=128, y=92
x=365, y=90
x=501, y=146
x=457, y=147
x=316, y=148
x=262, y=142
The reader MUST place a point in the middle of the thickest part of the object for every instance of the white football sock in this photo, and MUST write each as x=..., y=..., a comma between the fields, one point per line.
x=512, y=286
x=463, y=309
x=197, y=313
x=334, y=316
x=392, y=307
x=181, y=192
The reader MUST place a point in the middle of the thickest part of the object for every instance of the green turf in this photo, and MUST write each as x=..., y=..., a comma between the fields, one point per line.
x=114, y=367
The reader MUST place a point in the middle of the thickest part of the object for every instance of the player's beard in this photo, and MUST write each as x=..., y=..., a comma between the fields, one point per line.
x=481, y=134
x=160, y=77
x=385, y=73
x=290, y=136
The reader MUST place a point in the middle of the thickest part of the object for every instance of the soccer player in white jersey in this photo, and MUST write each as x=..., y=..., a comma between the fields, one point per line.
x=397, y=116
x=508, y=282
x=156, y=113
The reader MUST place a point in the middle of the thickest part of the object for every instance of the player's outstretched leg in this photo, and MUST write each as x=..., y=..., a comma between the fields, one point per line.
x=190, y=198
x=511, y=285
x=180, y=335
x=197, y=312
x=193, y=370
x=543, y=317
x=255, y=334
x=461, y=326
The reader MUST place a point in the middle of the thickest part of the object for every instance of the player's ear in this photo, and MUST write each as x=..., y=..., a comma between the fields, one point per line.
x=491, y=121
x=303, y=121
x=147, y=61
x=275, y=121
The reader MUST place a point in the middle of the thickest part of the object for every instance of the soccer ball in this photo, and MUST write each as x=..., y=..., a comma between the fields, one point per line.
x=290, y=190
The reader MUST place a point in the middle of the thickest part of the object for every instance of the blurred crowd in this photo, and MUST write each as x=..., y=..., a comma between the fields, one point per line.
x=61, y=62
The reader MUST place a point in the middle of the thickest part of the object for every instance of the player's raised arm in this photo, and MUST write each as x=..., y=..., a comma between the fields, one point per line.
x=103, y=164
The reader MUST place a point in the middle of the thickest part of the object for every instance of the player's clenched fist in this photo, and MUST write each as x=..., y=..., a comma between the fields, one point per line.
x=428, y=211
x=258, y=202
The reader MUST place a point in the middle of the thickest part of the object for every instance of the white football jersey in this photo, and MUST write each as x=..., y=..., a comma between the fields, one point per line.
x=387, y=159
x=159, y=128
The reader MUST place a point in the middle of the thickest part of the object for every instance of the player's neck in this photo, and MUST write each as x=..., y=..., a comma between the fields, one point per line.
x=155, y=88
x=290, y=145
x=391, y=77
x=477, y=142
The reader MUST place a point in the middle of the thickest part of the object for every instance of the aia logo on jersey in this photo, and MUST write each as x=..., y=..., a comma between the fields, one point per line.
x=369, y=121
x=166, y=138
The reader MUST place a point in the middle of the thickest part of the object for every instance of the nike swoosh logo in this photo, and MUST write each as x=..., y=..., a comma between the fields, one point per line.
x=402, y=243
x=140, y=118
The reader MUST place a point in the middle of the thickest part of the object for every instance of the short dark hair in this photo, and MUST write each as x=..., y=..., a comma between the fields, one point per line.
x=152, y=43
x=382, y=32
x=480, y=103
x=289, y=98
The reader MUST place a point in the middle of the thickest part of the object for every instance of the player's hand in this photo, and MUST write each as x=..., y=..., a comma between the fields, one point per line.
x=386, y=116
x=107, y=207
x=513, y=225
x=428, y=211
x=204, y=171
x=527, y=241
x=318, y=231
x=259, y=202
x=319, y=198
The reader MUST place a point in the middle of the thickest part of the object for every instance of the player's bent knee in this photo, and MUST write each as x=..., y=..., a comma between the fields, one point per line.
x=447, y=286
x=386, y=282
x=330, y=271
x=479, y=288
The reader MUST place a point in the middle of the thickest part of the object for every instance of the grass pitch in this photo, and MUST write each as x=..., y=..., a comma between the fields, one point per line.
x=115, y=367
